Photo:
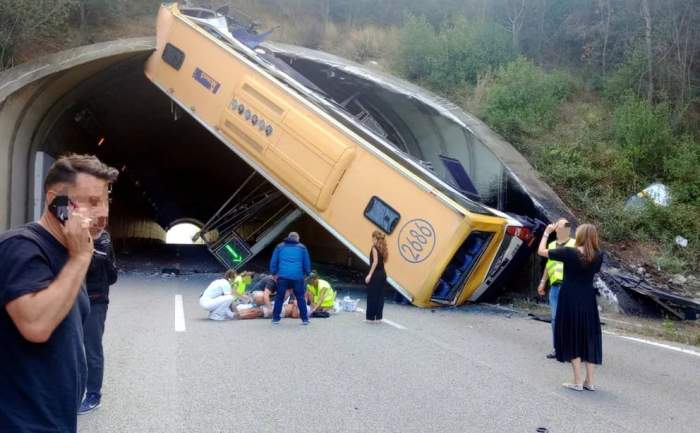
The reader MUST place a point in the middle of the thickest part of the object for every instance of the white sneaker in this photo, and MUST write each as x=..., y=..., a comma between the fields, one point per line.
x=217, y=317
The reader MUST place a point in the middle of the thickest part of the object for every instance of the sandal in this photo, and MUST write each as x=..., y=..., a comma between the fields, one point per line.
x=588, y=386
x=573, y=386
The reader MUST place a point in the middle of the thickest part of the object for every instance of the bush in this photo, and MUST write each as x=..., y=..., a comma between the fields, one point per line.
x=473, y=48
x=663, y=224
x=566, y=166
x=419, y=49
x=306, y=32
x=366, y=43
x=643, y=133
x=628, y=76
x=453, y=57
x=682, y=168
x=524, y=98
x=614, y=221
x=23, y=20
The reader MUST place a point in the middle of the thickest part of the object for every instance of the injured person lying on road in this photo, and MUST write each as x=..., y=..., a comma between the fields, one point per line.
x=256, y=311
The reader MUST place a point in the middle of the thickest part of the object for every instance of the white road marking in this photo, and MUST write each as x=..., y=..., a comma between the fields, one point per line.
x=394, y=324
x=387, y=321
x=179, y=315
x=654, y=343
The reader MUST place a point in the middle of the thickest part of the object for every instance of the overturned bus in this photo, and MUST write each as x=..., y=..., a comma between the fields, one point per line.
x=356, y=150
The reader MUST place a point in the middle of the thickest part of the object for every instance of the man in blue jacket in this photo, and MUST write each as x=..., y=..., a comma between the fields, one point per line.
x=291, y=265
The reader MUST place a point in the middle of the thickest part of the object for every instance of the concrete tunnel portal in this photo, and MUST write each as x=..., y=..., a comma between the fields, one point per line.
x=96, y=99
x=172, y=169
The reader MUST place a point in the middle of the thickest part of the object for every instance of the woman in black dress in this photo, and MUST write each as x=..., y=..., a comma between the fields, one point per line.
x=376, y=278
x=577, y=334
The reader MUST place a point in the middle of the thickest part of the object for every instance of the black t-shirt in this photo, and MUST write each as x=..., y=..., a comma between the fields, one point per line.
x=268, y=282
x=102, y=272
x=41, y=384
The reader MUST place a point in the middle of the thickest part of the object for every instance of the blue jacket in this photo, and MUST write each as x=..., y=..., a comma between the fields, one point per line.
x=291, y=261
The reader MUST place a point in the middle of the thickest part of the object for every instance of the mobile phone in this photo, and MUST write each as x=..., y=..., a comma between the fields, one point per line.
x=59, y=208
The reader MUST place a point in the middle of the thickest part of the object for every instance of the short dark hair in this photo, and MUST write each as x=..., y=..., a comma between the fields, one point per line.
x=230, y=274
x=66, y=169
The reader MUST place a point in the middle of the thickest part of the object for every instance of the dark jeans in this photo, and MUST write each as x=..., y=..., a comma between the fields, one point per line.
x=299, y=290
x=553, y=300
x=94, y=328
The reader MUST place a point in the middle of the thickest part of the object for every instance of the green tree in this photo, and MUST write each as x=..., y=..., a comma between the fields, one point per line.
x=22, y=20
x=524, y=98
x=643, y=132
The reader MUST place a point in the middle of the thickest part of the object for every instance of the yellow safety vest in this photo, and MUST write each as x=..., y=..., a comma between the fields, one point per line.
x=329, y=300
x=555, y=269
x=241, y=283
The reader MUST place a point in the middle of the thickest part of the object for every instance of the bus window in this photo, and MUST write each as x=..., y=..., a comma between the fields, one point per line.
x=382, y=215
x=457, y=271
x=460, y=177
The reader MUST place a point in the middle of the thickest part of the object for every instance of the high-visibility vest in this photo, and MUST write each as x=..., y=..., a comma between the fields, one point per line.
x=555, y=269
x=241, y=283
x=329, y=300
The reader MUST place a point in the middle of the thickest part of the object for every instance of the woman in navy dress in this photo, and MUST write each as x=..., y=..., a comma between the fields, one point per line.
x=577, y=333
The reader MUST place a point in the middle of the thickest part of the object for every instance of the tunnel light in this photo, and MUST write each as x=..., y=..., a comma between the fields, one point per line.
x=101, y=141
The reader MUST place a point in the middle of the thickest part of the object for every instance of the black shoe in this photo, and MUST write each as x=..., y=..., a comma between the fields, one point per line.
x=89, y=403
x=552, y=355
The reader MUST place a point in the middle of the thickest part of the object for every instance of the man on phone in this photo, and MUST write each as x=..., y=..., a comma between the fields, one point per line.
x=43, y=301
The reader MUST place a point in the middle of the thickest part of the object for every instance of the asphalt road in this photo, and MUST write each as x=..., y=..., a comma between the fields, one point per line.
x=474, y=369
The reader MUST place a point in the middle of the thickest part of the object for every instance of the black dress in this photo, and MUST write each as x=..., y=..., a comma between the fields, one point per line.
x=577, y=325
x=375, y=288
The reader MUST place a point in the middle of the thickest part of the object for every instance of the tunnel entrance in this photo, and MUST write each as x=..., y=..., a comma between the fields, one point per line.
x=182, y=233
x=173, y=173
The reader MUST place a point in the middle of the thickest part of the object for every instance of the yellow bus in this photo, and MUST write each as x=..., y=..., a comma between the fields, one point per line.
x=445, y=248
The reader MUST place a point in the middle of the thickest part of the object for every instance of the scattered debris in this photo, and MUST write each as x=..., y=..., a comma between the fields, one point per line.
x=657, y=193
x=681, y=241
x=349, y=304
x=678, y=280
x=608, y=300
x=641, y=296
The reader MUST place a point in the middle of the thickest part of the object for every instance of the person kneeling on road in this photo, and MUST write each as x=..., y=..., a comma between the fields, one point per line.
x=242, y=282
x=320, y=295
x=217, y=297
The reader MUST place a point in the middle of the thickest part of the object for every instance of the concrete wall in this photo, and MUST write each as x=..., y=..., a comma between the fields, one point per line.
x=31, y=98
